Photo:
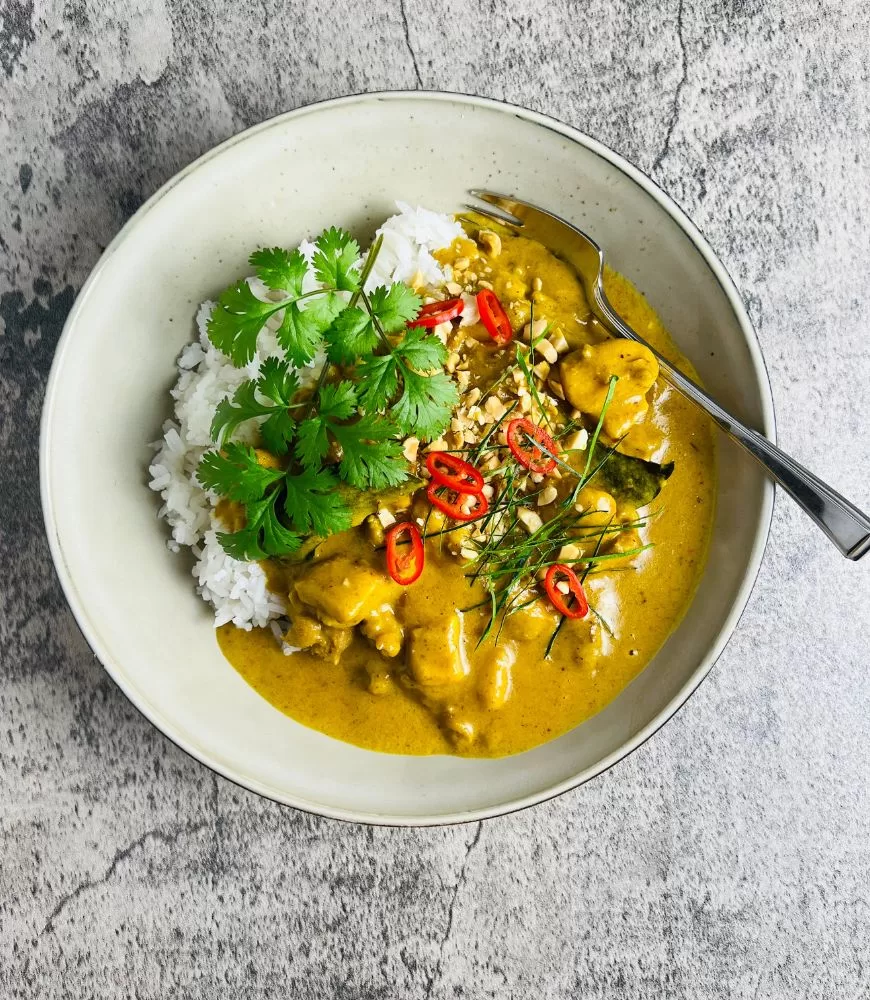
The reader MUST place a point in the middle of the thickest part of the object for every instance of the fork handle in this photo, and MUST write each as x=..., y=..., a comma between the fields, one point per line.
x=846, y=526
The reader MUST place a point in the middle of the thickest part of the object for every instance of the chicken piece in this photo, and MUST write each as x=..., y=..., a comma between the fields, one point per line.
x=494, y=679
x=436, y=652
x=322, y=640
x=629, y=539
x=342, y=592
x=383, y=630
x=586, y=374
x=304, y=632
x=597, y=507
x=460, y=731
x=378, y=679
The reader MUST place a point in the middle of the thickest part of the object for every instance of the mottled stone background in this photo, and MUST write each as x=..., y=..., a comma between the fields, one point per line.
x=729, y=856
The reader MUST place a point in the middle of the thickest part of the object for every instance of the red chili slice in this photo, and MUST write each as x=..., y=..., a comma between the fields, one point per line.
x=453, y=508
x=438, y=312
x=580, y=607
x=493, y=317
x=531, y=454
x=454, y=473
x=404, y=567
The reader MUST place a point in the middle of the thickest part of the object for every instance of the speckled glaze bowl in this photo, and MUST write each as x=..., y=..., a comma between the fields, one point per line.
x=346, y=162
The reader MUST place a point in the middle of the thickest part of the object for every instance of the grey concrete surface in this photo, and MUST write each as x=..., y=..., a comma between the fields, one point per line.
x=727, y=858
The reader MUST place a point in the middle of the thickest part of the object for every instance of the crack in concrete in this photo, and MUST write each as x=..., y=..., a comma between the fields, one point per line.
x=164, y=836
x=411, y=51
x=448, y=929
x=675, y=109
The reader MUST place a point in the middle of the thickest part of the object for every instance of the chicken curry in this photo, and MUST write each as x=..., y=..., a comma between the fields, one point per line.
x=604, y=507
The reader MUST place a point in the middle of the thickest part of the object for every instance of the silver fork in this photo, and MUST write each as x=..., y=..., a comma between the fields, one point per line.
x=846, y=526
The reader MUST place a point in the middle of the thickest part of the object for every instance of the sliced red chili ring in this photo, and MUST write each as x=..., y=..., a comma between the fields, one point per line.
x=404, y=566
x=453, y=508
x=532, y=455
x=454, y=472
x=580, y=607
x=438, y=312
x=493, y=317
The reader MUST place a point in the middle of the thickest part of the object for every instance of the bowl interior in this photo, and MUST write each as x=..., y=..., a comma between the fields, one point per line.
x=108, y=396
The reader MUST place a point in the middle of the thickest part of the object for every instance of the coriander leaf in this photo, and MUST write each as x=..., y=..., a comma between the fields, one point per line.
x=278, y=430
x=278, y=383
x=351, y=334
x=236, y=321
x=301, y=330
x=276, y=539
x=336, y=262
x=426, y=404
x=282, y=270
x=235, y=410
x=379, y=377
x=313, y=505
x=371, y=457
x=422, y=350
x=337, y=401
x=243, y=545
x=263, y=535
x=312, y=441
x=235, y=473
x=395, y=306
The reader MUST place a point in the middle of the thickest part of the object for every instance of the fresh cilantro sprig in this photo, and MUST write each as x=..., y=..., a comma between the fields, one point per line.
x=271, y=396
x=308, y=500
x=387, y=382
x=239, y=316
x=408, y=374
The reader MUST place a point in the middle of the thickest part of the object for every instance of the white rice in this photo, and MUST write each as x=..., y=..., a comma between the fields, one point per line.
x=237, y=590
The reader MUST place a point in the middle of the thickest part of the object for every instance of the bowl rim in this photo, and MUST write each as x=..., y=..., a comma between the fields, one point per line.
x=765, y=514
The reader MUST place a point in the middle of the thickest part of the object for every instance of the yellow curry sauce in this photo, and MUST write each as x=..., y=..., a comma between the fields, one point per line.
x=439, y=691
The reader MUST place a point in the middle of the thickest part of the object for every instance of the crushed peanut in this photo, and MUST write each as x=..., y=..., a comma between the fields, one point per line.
x=529, y=519
x=491, y=242
x=545, y=348
x=495, y=407
x=557, y=339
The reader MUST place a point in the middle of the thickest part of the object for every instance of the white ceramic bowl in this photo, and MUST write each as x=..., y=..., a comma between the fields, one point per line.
x=346, y=162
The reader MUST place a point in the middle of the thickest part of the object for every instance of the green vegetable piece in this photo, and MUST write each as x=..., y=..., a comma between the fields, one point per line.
x=629, y=479
x=336, y=261
x=395, y=306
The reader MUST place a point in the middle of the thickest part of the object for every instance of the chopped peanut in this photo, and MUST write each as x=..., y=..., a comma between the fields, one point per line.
x=386, y=517
x=576, y=441
x=557, y=339
x=494, y=407
x=545, y=348
x=542, y=370
x=490, y=241
x=529, y=519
